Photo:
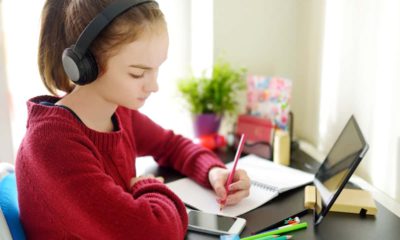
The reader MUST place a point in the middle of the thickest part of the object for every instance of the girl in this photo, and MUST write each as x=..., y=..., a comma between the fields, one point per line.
x=76, y=164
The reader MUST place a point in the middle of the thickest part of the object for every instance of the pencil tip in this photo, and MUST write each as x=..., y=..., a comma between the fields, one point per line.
x=221, y=206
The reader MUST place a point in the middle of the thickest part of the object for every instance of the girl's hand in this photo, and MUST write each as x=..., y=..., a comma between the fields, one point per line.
x=238, y=189
x=134, y=180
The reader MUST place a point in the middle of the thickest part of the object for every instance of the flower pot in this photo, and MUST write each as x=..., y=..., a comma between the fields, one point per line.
x=206, y=124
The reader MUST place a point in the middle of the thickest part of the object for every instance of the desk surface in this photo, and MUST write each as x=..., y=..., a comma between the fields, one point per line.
x=385, y=225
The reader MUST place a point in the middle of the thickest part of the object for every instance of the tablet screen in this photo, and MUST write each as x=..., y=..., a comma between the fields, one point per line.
x=338, y=166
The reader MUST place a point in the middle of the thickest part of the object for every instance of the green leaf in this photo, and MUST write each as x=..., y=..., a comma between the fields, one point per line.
x=217, y=94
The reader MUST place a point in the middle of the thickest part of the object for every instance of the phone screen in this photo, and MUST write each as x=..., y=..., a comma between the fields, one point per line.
x=211, y=221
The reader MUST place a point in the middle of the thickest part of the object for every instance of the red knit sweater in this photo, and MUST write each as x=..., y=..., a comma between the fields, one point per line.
x=73, y=182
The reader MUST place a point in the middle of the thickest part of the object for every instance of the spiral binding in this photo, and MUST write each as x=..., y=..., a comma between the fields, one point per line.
x=264, y=186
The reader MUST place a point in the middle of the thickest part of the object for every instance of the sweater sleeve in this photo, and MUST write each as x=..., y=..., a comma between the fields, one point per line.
x=173, y=150
x=88, y=203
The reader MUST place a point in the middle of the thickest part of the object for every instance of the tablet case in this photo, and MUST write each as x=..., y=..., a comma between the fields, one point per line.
x=349, y=201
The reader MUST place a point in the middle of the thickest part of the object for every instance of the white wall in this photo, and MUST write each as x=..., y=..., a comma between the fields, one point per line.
x=286, y=37
x=165, y=107
x=23, y=79
x=276, y=37
x=6, y=150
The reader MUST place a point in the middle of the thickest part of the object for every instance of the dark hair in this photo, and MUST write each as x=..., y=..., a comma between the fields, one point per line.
x=63, y=22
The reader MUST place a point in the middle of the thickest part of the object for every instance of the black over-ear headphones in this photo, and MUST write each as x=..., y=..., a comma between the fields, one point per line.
x=79, y=63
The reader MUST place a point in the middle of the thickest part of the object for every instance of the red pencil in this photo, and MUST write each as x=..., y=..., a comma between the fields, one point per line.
x=232, y=173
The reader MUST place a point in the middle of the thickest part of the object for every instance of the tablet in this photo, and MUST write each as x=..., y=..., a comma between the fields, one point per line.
x=337, y=168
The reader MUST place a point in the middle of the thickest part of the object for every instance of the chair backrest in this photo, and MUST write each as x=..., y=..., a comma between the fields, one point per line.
x=9, y=205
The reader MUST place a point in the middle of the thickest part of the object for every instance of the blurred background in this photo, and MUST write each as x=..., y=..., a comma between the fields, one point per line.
x=342, y=56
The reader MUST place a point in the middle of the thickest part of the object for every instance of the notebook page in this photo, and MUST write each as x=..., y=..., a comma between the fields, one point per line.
x=267, y=172
x=268, y=179
x=194, y=195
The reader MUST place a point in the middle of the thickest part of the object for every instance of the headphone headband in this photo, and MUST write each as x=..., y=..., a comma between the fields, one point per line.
x=102, y=20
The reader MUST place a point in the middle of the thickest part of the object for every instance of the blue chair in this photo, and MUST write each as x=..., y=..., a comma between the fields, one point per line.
x=9, y=205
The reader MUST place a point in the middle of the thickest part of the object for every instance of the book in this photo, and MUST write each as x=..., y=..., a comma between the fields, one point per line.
x=269, y=97
x=268, y=180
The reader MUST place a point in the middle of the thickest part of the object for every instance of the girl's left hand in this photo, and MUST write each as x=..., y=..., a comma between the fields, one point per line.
x=238, y=189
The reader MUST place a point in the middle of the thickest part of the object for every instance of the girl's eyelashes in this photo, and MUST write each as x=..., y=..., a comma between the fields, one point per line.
x=136, y=76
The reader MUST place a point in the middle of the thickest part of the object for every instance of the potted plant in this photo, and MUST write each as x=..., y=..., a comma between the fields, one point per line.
x=209, y=99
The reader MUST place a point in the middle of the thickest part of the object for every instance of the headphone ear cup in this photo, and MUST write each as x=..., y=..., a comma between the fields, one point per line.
x=70, y=61
x=80, y=71
x=88, y=69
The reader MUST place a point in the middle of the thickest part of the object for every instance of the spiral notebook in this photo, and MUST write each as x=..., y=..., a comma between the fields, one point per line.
x=268, y=180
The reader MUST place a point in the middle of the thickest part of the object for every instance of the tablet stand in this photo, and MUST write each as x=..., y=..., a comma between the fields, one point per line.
x=349, y=201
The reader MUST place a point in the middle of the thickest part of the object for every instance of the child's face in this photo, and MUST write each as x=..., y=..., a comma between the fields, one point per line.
x=131, y=74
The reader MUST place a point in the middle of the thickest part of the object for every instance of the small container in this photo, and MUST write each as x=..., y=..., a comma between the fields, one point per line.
x=281, y=150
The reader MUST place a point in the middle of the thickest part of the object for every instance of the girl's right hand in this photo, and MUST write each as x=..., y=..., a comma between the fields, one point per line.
x=134, y=180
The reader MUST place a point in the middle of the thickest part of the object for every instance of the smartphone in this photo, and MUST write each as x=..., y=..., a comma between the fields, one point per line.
x=214, y=224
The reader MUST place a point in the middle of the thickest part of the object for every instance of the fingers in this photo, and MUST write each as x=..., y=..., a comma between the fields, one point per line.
x=239, y=186
x=217, y=178
x=221, y=193
x=234, y=198
x=241, y=181
x=219, y=189
x=239, y=189
x=240, y=174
